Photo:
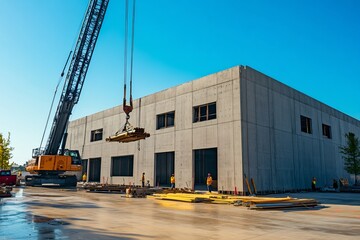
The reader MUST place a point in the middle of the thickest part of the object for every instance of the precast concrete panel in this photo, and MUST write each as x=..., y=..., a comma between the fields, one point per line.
x=165, y=106
x=236, y=99
x=184, y=170
x=238, y=157
x=148, y=118
x=226, y=157
x=224, y=104
x=227, y=75
x=165, y=94
x=206, y=136
x=284, y=160
x=183, y=116
x=282, y=112
x=204, y=82
x=165, y=140
x=263, y=139
x=205, y=96
x=262, y=106
x=251, y=158
x=250, y=107
x=184, y=88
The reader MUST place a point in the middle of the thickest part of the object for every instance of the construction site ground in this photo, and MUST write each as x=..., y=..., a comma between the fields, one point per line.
x=48, y=213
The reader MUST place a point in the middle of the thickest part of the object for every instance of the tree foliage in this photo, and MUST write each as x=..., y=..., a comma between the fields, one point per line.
x=5, y=152
x=351, y=155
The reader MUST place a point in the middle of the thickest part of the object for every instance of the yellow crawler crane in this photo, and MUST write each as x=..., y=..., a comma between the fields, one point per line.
x=50, y=164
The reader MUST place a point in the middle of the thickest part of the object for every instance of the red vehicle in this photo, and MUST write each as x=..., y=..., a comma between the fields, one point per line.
x=6, y=178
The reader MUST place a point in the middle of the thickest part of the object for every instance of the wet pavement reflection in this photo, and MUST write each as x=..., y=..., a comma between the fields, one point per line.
x=45, y=213
x=17, y=222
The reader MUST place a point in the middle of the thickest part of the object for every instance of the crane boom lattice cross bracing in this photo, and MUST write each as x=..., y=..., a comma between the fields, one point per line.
x=77, y=72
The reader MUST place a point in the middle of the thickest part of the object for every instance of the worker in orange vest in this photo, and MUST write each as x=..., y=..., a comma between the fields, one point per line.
x=209, y=182
x=172, y=181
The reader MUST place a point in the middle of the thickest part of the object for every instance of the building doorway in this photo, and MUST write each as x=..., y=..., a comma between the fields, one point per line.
x=84, y=166
x=94, y=169
x=205, y=161
x=164, y=167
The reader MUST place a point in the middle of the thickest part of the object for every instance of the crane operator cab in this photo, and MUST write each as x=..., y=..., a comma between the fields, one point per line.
x=75, y=156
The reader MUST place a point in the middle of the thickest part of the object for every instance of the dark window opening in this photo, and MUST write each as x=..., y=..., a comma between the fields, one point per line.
x=122, y=166
x=165, y=120
x=204, y=112
x=96, y=135
x=326, y=129
x=306, y=124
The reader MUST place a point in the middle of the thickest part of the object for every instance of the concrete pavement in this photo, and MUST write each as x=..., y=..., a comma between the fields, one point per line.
x=45, y=213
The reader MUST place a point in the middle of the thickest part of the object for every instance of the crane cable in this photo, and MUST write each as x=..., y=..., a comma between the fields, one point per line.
x=128, y=108
x=52, y=102
x=60, y=79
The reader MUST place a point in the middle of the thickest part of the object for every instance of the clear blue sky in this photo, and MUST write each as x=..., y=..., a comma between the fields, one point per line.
x=312, y=46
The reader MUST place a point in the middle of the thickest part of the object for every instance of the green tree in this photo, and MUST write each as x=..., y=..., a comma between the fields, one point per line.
x=351, y=155
x=5, y=152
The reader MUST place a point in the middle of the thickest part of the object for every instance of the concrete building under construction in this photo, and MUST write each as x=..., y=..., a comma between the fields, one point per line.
x=236, y=124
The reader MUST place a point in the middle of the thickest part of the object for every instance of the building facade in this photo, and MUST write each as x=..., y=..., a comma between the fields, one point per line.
x=239, y=125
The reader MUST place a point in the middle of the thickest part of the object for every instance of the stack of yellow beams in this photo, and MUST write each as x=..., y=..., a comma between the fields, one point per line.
x=129, y=136
x=252, y=202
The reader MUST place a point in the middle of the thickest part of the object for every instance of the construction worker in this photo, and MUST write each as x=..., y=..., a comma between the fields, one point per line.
x=84, y=177
x=172, y=181
x=143, y=180
x=209, y=182
x=313, y=184
x=19, y=177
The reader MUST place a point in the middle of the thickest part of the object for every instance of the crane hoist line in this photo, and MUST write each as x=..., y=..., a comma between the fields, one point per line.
x=128, y=133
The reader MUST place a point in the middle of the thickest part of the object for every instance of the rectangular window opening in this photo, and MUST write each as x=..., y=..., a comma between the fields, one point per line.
x=326, y=129
x=165, y=120
x=306, y=124
x=204, y=112
x=96, y=135
x=122, y=166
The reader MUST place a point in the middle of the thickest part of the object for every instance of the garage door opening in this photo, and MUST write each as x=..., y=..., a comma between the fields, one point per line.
x=94, y=169
x=164, y=167
x=205, y=161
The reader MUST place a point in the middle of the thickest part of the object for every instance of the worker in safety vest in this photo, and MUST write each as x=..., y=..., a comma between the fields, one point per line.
x=209, y=182
x=84, y=177
x=19, y=177
x=172, y=181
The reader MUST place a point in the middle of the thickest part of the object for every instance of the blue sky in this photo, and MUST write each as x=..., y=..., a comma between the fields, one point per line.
x=312, y=46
